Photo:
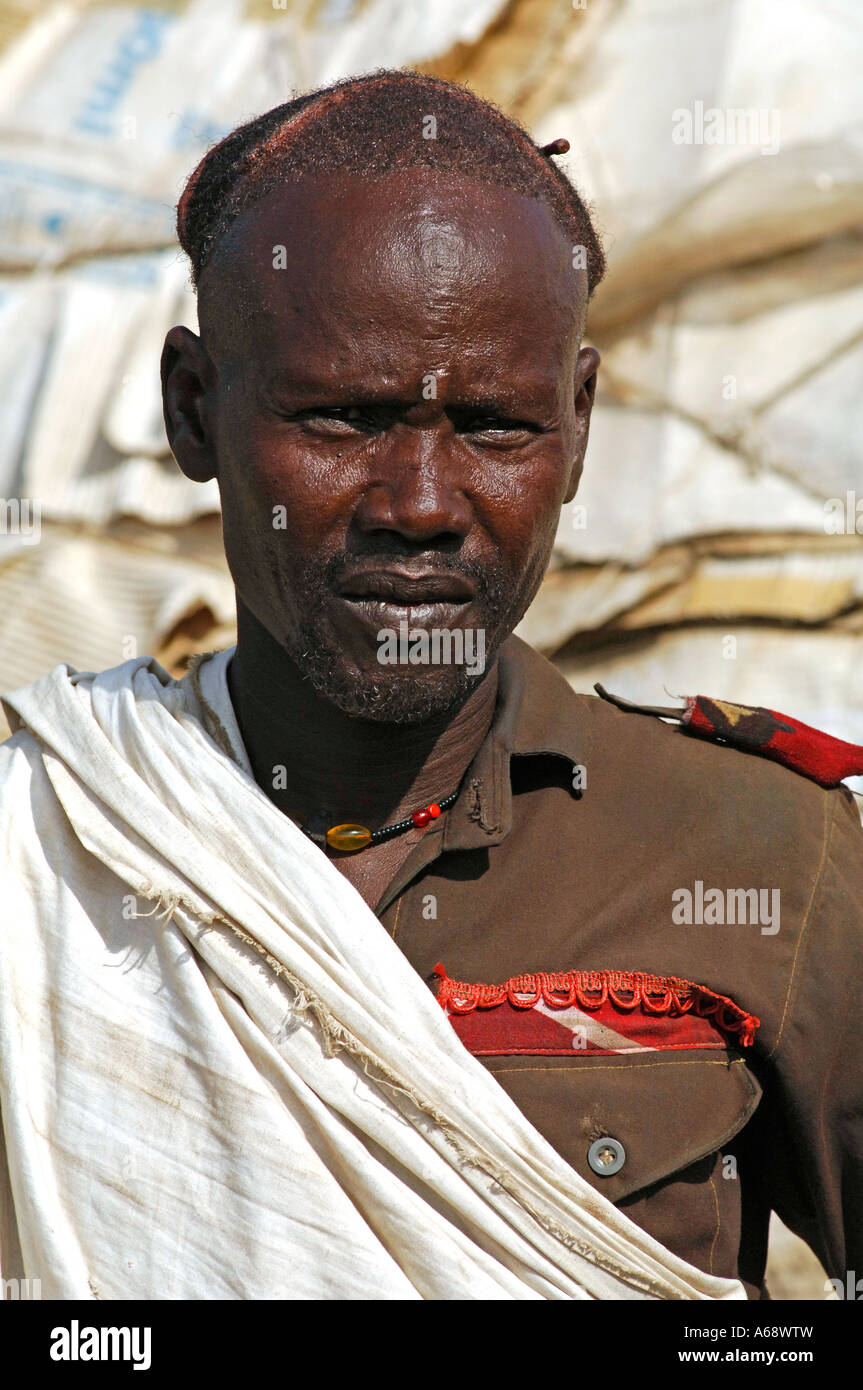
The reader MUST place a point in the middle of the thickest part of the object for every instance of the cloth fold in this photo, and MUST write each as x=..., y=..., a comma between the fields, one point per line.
x=219, y=1077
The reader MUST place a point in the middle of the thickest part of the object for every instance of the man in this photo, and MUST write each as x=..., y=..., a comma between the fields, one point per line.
x=390, y=387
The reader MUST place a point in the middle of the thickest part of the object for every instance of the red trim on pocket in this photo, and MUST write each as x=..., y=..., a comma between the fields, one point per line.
x=627, y=1003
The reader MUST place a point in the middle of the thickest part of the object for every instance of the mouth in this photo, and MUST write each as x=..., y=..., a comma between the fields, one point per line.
x=379, y=613
x=386, y=598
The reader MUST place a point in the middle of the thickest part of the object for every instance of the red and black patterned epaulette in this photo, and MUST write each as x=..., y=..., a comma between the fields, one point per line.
x=819, y=756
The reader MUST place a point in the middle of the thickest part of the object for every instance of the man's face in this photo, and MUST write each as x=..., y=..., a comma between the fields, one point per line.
x=395, y=407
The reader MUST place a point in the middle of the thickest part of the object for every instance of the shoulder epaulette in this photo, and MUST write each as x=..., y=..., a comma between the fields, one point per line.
x=819, y=756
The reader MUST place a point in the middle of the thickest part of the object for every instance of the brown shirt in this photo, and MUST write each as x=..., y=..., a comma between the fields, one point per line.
x=527, y=874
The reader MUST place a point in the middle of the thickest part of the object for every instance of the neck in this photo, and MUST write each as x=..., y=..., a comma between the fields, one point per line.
x=358, y=770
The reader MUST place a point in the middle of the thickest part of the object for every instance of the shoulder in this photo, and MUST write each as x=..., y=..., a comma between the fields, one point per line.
x=46, y=719
x=705, y=766
x=711, y=781
x=20, y=762
x=29, y=810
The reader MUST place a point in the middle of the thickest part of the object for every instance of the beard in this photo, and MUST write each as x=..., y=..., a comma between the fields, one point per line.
x=395, y=696
x=403, y=694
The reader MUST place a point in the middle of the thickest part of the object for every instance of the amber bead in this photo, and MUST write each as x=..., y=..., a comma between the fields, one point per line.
x=348, y=837
x=421, y=817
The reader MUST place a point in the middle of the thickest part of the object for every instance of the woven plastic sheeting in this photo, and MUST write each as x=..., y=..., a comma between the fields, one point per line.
x=722, y=144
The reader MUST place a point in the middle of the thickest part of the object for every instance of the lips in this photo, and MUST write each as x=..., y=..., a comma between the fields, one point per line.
x=378, y=599
x=399, y=588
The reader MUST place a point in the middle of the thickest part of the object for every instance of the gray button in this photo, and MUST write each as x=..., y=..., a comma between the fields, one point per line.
x=606, y=1156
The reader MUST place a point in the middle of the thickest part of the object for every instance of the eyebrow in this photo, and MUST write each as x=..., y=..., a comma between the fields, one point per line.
x=306, y=391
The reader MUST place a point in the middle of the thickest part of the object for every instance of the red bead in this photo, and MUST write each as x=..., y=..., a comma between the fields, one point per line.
x=434, y=810
x=420, y=817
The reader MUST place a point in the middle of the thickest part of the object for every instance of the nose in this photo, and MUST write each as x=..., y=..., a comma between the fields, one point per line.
x=416, y=488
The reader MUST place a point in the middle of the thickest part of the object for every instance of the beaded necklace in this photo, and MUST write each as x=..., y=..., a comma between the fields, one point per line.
x=349, y=837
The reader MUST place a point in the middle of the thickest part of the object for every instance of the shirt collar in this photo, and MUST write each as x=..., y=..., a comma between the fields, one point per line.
x=537, y=713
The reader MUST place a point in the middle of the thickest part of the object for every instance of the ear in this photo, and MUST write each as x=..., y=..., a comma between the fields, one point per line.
x=585, y=390
x=187, y=376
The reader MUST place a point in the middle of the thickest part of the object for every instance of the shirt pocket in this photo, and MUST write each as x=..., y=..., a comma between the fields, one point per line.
x=631, y=1077
x=662, y=1114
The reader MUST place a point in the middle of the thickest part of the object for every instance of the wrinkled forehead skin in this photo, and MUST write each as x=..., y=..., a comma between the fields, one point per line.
x=375, y=284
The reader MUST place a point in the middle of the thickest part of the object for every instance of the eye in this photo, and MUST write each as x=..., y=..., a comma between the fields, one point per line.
x=498, y=428
x=340, y=420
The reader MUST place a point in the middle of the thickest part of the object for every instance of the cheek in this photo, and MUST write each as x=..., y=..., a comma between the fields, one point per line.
x=268, y=524
x=273, y=492
x=521, y=511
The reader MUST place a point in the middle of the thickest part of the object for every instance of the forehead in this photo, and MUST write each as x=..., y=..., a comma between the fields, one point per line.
x=384, y=269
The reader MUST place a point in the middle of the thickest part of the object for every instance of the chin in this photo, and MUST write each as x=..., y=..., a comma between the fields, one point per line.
x=384, y=696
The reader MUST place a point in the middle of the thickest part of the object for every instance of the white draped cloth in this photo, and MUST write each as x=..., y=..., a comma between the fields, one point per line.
x=219, y=1076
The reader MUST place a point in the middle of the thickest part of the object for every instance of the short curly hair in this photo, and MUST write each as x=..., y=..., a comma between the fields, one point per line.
x=373, y=125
